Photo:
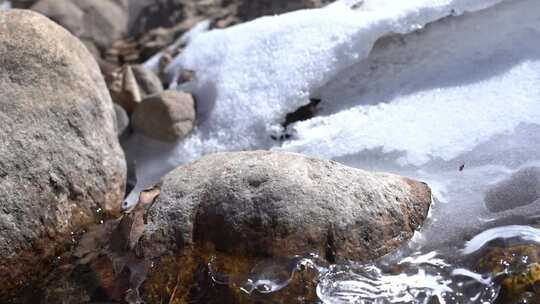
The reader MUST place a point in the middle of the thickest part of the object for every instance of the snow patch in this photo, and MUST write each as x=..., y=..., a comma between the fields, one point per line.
x=248, y=77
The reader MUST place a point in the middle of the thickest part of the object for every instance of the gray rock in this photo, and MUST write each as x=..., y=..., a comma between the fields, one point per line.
x=100, y=21
x=282, y=204
x=60, y=161
x=520, y=189
x=122, y=119
x=22, y=3
x=168, y=116
x=104, y=21
x=64, y=12
x=149, y=83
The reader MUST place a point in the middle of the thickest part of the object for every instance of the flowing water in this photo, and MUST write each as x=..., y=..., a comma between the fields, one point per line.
x=451, y=275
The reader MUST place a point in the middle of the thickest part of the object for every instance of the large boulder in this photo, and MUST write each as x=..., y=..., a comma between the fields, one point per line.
x=237, y=210
x=61, y=167
x=282, y=204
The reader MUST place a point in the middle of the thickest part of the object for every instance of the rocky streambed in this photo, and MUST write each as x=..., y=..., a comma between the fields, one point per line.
x=115, y=187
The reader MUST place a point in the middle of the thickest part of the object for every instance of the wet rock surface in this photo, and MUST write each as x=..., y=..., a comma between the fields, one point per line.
x=517, y=267
x=236, y=209
x=61, y=166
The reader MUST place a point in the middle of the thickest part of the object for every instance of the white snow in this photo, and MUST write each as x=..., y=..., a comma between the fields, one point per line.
x=5, y=5
x=434, y=95
x=428, y=95
x=415, y=87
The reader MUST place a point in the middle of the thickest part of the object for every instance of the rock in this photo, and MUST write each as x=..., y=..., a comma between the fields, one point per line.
x=282, y=204
x=124, y=89
x=104, y=21
x=122, y=119
x=22, y=3
x=522, y=188
x=521, y=265
x=149, y=83
x=64, y=12
x=252, y=9
x=60, y=162
x=168, y=116
x=100, y=21
x=246, y=206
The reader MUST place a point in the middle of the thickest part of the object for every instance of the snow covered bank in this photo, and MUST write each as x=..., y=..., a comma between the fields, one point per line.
x=250, y=76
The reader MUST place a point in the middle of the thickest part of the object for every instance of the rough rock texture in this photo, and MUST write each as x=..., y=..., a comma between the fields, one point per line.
x=60, y=161
x=521, y=189
x=282, y=204
x=168, y=116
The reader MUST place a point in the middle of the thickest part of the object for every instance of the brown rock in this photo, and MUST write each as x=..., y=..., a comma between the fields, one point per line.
x=124, y=89
x=168, y=116
x=243, y=208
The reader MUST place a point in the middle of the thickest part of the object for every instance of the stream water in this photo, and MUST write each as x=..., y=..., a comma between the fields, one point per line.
x=468, y=272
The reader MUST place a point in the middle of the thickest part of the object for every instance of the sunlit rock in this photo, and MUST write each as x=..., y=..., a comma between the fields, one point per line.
x=61, y=166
